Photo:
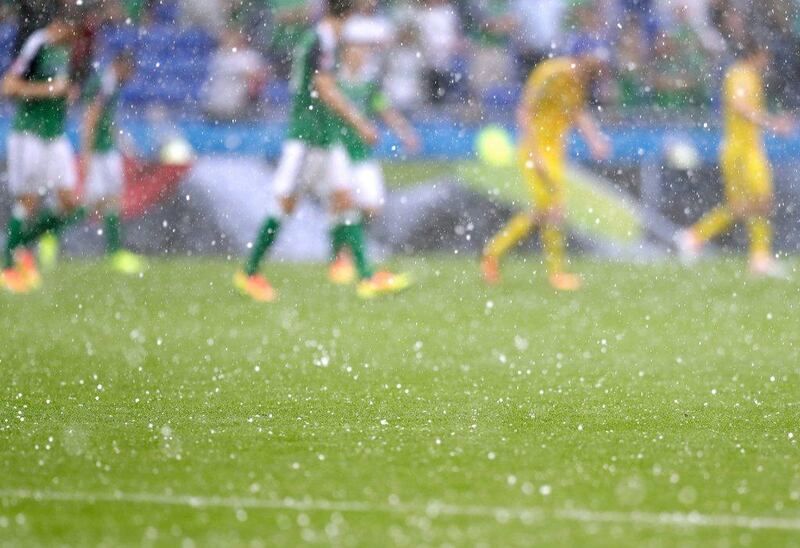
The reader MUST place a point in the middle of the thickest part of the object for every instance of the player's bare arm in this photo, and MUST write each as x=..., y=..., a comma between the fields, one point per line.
x=742, y=105
x=329, y=93
x=401, y=127
x=17, y=87
x=599, y=144
x=91, y=119
x=531, y=96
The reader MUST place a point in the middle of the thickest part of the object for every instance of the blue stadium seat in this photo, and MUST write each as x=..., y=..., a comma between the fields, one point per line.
x=502, y=96
x=194, y=40
x=8, y=33
x=165, y=12
x=120, y=36
x=277, y=92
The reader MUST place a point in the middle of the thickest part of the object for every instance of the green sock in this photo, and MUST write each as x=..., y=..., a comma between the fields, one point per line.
x=14, y=240
x=338, y=238
x=266, y=236
x=46, y=220
x=70, y=218
x=112, y=230
x=49, y=221
x=353, y=237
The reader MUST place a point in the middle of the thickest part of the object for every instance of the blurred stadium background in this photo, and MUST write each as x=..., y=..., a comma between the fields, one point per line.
x=215, y=74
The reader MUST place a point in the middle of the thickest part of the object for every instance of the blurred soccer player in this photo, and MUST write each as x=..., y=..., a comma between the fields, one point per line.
x=316, y=105
x=359, y=77
x=554, y=100
x=101, y=162
x=745, y=168
x=40, y=158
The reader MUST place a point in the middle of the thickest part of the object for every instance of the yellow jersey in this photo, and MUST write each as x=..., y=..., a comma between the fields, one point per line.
x=554, y=95
x=742, y=82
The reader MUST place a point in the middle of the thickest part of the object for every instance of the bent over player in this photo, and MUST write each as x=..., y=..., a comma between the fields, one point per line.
x=41, y=164
x=554, y=100
x=743, y=161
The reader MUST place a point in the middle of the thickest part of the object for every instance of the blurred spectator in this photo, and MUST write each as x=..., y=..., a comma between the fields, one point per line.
x=440, y=42
x=491, y=25
x=236, y=77
x=642, y=14
x=777, y=24
x=31, y=16
x=668, y=52
x=210, y=15
x=138, y=11
x=678, y=70
x=692, y=16
x=589, y=20
x=7, y=11
x=537, y=33
x=728, y=19
x=633, y=55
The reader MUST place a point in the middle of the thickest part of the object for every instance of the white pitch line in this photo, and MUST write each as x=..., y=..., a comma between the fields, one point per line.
x=432, y=509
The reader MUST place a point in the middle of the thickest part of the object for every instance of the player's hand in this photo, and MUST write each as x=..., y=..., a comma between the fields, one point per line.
x=600, y=147
x=782, y=125
x=83, y=167
x=73, y=94
x=60, y=88
x=368, y=132
x=410, y=141
x=536, y=163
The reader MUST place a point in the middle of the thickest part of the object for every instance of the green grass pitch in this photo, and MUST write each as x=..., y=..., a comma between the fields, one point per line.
x=658, y=406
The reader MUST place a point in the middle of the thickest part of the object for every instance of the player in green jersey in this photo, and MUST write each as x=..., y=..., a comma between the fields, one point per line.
x=40, y=158
x=359, y=77
x=101, y=162
x=313, y=144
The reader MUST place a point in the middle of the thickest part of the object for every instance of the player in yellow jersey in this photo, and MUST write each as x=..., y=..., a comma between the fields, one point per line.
x=553, y=102
x=744, y=165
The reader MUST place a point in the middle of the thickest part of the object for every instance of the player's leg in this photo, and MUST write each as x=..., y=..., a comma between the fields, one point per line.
x=63, y=177
x=719, y=219
x=759, y=183
x=517, y=228
x=370, y=196
x=550, y=205
x=104, y=187
x=20, y=274
x=24, y=162
x=287, y=175
x=348, y=228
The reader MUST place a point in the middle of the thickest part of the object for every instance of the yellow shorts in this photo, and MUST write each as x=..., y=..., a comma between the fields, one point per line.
x=547, y=192
x=746, y=173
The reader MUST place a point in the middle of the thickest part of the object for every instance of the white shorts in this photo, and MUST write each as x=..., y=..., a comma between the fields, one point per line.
x=106, y=178
x=369, y=189
x=37, y=165
x=308, y=169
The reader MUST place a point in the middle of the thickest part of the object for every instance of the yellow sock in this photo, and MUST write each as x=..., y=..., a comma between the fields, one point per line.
x=760, y=236
x=553, y=247
x=712, y=224
x=517, y=228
